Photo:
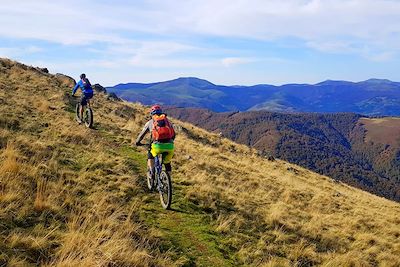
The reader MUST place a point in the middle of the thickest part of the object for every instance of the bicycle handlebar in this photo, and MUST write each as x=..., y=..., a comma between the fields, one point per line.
x=141, y=144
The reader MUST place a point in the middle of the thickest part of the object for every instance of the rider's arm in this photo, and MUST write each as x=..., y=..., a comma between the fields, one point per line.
x=77, y=85
x=145, y=130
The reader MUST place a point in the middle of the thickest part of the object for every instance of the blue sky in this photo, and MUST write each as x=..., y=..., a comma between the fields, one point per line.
x=232, y=42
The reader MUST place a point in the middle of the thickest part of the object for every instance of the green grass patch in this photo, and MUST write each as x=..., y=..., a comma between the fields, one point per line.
x=186, y=230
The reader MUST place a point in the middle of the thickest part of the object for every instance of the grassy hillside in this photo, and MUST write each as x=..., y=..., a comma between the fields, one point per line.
x=382, y=130
x=379, y=143
x=70, y=196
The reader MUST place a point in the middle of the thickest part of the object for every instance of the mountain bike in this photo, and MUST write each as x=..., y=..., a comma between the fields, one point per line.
x=87, y=114
x=161, y=181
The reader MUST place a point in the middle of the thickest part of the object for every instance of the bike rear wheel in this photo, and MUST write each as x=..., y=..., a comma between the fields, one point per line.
x=165, y=189
x=88, y=117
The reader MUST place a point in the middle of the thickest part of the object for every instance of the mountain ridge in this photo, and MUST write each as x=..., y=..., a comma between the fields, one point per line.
x=192, y=78
x=371, y=97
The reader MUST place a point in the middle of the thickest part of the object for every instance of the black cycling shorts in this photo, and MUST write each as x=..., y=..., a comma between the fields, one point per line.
x=85, y=97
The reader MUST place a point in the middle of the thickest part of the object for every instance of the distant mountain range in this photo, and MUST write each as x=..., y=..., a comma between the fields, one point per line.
x=361, y=151
x=371, y=97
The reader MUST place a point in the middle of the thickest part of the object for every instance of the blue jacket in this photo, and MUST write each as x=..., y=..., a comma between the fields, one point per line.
x=85, y=86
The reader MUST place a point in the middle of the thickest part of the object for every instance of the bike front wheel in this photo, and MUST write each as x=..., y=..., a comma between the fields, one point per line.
x=165, y=189
x=150, y=181
x=77, y=113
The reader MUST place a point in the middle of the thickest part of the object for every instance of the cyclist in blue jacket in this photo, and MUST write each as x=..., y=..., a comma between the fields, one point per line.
x=87, y=92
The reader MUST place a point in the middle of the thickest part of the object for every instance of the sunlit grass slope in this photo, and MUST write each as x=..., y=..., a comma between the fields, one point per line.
x=67, y=194
x=383, y=130
x=70, y=196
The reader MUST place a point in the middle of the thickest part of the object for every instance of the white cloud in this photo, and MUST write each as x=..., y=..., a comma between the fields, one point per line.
x=380, y=57
x=82, y=22
x=160, y=34
x=332, y=46
x=18, y=51
x=153, y=62
x=146, y=54
x=370, y=51
x=233, y=61
x=153, y=48
x=8, y=52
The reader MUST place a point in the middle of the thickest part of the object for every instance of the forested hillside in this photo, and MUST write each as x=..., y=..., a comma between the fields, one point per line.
x=337, y=145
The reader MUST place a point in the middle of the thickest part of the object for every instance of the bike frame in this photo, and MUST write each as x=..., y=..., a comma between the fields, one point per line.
x=85, y=107
x=88, y=104
x=162, y=184
x=157, y=164
x=158, y=170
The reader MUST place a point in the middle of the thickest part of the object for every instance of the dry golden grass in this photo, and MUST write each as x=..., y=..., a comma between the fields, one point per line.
x=388, y=131
x=78, y=201
x=283, y=214
x=66, y=192
x=103, y=236
x=40, y=199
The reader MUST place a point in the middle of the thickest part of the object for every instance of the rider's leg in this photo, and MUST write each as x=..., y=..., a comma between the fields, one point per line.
x=150, y=163
x=167, y=150
x=81, y=111
x=83, y=104
x=167, y=160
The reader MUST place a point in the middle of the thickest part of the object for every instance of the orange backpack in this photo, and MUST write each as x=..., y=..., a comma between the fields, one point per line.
x=162, y=128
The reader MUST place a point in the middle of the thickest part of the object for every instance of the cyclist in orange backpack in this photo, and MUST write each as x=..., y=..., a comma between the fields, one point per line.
x=162, y=136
